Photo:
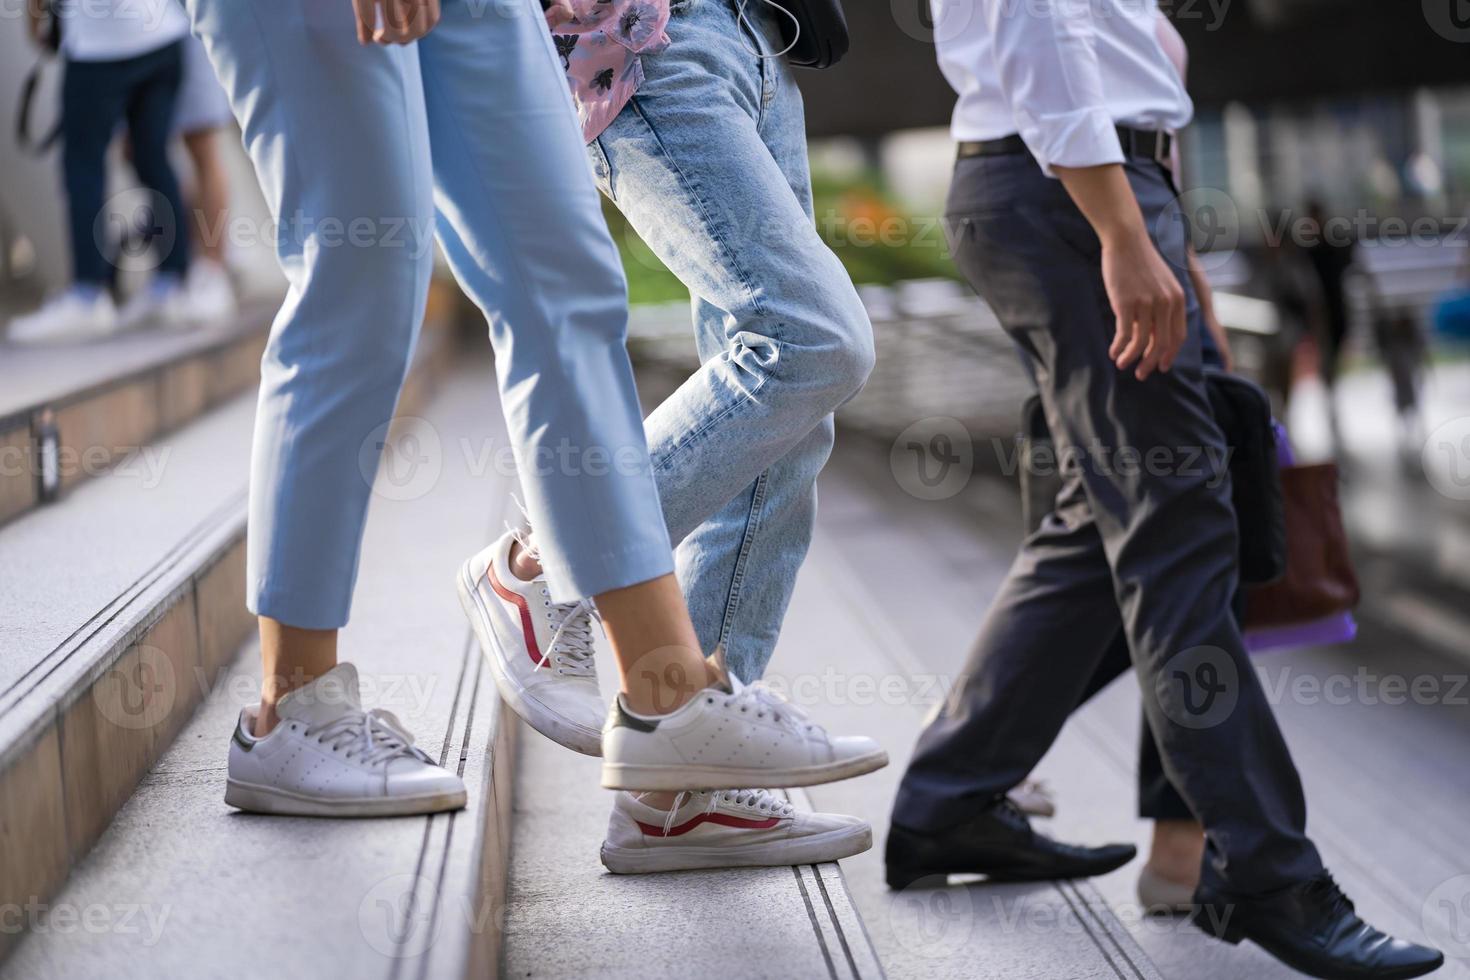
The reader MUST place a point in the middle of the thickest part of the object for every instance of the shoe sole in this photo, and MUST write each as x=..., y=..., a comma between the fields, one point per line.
x=814, y=849
x=900, y=879
x=676, y=778
x=256, y=798
x=568, y=734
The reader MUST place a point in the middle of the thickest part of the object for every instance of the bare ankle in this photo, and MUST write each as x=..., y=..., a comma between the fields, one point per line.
x=523, y=562
x=265, y=719
x=659, y=801
x=1178, y=848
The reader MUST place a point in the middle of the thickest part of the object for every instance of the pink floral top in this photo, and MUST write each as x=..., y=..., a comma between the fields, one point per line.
x=599, y=48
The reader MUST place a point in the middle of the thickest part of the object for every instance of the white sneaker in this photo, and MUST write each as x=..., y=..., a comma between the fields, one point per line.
x=742, y=828
x=729, y=736
x=211, y=297
x=71, y=316
x=329, y=758
x=163, y=302
x=540, y=652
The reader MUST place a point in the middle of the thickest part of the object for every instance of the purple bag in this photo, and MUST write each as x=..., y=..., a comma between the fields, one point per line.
x=1338, y=628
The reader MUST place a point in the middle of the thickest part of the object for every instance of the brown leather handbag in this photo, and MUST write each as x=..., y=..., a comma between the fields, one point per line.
x=1319, y=580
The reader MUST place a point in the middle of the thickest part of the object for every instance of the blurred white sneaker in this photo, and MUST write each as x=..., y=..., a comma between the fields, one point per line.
x=329, y=758
x=162, y=302
x=1034, y=798
x=540, y=652
x=211, y=296
x=1161, y=896
x=728, y=736
x=727, y=829
x=75, y=315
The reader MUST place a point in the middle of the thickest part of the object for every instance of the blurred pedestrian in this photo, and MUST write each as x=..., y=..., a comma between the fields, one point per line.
x=1058, y=216
x=1403, y=350
x=203, y=112
x=1331, y=251
x=124, y=63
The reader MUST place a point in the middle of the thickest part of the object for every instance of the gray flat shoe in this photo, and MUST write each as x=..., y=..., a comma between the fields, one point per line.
x=1160, y=896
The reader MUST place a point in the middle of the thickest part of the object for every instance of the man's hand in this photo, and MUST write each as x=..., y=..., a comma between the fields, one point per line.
x=1147, y=300
x=558, y=13
x=1148, y=303
x=400, y=22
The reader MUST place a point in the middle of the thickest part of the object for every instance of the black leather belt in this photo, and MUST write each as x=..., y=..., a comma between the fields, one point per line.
x=1150, y=144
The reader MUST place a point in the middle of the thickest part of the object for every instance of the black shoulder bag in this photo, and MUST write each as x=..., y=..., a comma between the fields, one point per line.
x=815, y=34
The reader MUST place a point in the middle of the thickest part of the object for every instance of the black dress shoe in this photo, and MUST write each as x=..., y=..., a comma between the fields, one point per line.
x=1312, y=927
x=998, y=843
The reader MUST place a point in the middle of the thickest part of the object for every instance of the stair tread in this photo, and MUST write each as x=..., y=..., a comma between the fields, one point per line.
x=746, y=922
x=325, y=897
x=67, y=565
x=34, y=376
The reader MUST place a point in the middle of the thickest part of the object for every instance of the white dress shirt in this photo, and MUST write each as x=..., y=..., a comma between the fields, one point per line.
x=111, y=30
x=1061, y=73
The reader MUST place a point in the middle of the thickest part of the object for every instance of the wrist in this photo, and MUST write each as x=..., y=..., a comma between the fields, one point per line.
x=1127, y=233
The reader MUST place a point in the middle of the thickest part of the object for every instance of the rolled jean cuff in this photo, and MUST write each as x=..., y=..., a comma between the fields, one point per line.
x=584, y=576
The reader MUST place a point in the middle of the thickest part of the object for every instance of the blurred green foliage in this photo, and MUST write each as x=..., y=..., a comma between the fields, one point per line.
x=875, y=239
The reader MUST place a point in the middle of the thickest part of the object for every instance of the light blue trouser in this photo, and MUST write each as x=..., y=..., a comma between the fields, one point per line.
x=341, y=136
x=709, y=165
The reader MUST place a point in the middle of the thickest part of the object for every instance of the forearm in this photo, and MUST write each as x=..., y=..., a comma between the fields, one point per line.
x=1106, y=200
x=1203, y=291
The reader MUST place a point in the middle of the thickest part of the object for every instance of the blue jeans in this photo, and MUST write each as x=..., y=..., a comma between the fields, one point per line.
x=97, y=96
x=708, y=163
x=341, y=137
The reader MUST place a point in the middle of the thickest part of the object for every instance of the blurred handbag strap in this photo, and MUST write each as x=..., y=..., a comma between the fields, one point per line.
x=51, y=41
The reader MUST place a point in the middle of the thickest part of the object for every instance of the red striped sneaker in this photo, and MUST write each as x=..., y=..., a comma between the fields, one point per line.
x=540, y=652
x=738, y=828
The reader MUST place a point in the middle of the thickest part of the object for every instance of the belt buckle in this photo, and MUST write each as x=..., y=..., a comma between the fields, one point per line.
x=1161, y=149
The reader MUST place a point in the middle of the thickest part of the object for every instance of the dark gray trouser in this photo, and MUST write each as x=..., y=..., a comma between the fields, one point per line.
x=1146, y=542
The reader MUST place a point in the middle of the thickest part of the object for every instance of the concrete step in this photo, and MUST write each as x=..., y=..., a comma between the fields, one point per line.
x=118, y=608
x=568, y=917
x=206, y=890
x=95, y=406
x=1380, y=764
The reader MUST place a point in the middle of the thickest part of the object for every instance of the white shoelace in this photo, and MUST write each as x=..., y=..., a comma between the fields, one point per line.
x=759, y=800
x=765, y=701
x=571, y=642
x=375, y=736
